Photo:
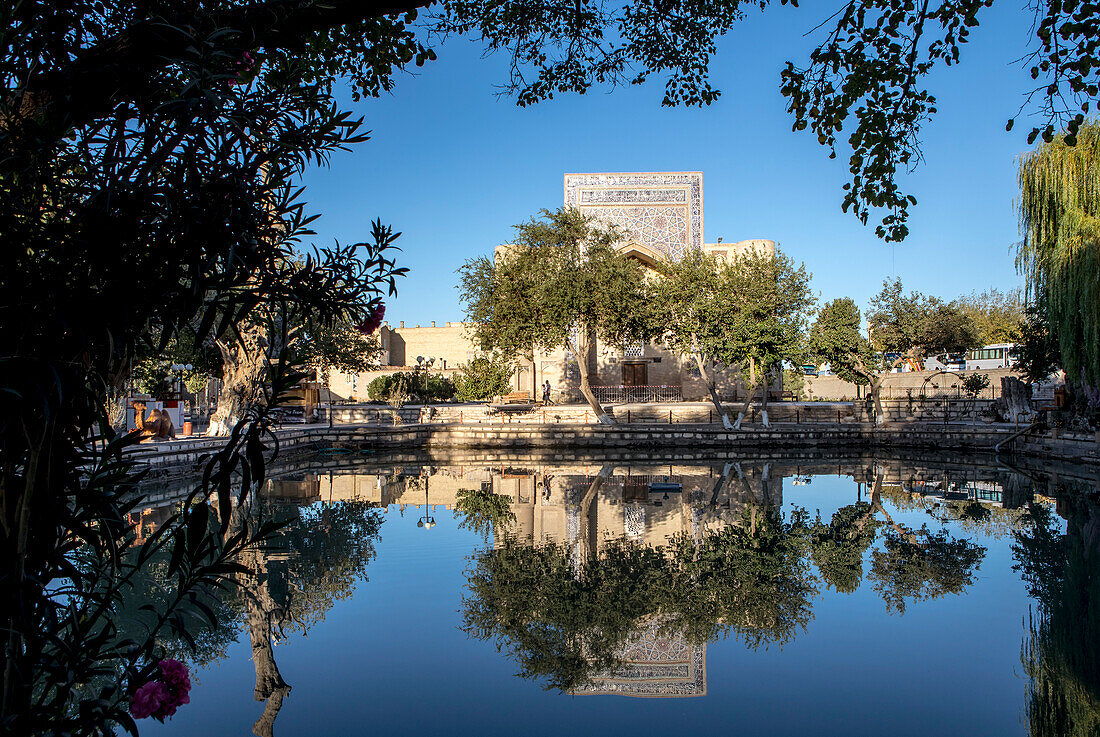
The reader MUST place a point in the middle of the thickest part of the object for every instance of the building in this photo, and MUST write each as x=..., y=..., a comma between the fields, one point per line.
x=663, y=215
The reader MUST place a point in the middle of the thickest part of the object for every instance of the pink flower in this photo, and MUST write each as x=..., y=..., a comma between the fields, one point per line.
x=149, y=700
x=174, y=674
x=374, y=319
x=161, y=697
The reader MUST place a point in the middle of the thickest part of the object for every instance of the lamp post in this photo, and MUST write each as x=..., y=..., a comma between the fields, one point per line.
x=426, y=521
x=179, y=368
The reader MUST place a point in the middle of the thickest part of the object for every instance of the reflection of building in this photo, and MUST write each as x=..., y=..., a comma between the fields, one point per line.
x=581, y=505
x=654, y=665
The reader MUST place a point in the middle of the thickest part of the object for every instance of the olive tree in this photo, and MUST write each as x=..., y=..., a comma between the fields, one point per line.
x=769, y=327
x=693, y=304
x=561, y=285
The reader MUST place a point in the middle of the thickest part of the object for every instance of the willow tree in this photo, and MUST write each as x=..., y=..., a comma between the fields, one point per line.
x=1059, y=254
x=561, y=285
x=693, y=305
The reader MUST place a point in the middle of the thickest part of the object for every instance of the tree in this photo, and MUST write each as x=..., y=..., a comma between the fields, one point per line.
x=769, y=327
x=149, y=156
x=483, y=377
x=912, y=326
x=422, y=385
x=693, y=306
x=1059, y=254
x=835, y=338
x=561, y=285
x=997, y=315
x=1038, y=354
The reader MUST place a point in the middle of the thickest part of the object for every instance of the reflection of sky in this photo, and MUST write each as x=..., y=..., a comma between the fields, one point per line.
x=391, y=660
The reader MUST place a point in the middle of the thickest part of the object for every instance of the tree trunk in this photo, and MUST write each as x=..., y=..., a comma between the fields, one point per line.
x=745, y=407
x=586, y=532
x=581, y=352
x=245, y=364
x=1015, y=400
x=709, y=381
x=764, y=399
x=876, y=389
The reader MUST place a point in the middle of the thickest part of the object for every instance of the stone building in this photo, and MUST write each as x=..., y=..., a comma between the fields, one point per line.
x=662, y=214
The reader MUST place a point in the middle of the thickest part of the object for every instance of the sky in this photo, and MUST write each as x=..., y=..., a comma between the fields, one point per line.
x=453, y=166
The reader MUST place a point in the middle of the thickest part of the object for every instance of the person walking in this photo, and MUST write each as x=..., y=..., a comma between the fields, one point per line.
x=546, y=393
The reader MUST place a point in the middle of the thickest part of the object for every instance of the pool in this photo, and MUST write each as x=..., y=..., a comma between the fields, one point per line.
x=795, y=595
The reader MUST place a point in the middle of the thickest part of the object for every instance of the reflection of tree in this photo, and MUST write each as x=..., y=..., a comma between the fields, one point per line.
x=751, y=580
x=838, y=547
x=560, y=622
x=483, y=511
x=287, y=583
x=919, y=564
x=149, y=592
x=1060, y=653
x=565, y=617
x=922, y=565
x=313, y=561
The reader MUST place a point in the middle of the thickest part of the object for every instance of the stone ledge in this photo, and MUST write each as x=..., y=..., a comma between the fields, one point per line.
x=183, y=457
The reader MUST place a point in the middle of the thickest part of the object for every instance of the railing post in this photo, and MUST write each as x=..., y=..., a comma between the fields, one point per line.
x=670, y=417
x=628, y=417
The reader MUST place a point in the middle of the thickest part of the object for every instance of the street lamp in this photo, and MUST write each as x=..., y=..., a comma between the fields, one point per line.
x=179, y=368
x=426, y=521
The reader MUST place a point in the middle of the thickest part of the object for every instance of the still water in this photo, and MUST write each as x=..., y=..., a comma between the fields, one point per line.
x=786, y=596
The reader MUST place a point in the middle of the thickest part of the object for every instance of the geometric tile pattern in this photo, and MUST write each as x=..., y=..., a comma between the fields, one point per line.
x=653, y=665
x=661, y=210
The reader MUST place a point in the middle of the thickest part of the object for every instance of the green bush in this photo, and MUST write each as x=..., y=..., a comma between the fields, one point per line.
x=483, y=377
x=420, y=385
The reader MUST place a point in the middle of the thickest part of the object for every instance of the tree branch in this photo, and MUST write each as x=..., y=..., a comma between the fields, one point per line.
x=119, y=69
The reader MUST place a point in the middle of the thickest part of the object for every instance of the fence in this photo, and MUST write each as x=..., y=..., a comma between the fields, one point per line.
x=620, y=394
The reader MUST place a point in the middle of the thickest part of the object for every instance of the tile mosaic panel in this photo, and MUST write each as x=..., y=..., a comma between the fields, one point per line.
x=661, y=210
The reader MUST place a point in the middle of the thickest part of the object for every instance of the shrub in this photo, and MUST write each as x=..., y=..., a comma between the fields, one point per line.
x=420, y=386
x=483, y=377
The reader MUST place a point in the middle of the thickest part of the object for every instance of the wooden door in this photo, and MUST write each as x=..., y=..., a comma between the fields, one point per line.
x=634, y=374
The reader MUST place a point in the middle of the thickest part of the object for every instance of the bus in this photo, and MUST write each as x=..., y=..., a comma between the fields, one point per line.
x=997, y=355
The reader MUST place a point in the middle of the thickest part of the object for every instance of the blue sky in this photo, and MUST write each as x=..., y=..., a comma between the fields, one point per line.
x=453, y=166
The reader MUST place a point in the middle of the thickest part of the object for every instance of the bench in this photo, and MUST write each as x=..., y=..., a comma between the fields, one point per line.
x=516, y=398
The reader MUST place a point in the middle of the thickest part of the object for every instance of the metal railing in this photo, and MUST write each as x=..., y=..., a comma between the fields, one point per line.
x=623, y=393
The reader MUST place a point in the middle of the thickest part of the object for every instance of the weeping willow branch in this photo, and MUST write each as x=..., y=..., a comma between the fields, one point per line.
x=1059, y=255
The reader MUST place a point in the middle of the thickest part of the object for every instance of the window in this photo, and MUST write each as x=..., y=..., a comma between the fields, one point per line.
x=634, y=349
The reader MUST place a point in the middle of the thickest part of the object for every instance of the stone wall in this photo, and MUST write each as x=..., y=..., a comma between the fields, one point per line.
x=567, y=441
x=901, y=384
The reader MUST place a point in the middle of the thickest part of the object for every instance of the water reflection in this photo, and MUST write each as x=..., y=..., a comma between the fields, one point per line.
x=613, y=577
x=286, y=585
x=1060, y=654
